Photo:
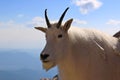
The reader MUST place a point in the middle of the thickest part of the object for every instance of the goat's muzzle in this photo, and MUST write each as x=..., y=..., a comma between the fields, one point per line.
x=44, y=57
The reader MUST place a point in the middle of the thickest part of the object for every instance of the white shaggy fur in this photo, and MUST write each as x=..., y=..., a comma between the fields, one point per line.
x=93, y=55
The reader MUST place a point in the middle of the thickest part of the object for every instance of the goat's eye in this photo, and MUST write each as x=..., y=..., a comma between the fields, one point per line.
x=60, y=36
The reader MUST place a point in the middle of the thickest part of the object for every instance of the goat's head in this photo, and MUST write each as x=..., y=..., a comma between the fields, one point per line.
x=56, y=37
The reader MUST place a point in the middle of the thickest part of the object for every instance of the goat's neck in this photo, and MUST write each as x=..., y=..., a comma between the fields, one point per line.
x=67, y=69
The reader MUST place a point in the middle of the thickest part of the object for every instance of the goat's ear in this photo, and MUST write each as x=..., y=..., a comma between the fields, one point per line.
x=67, y=25
x=41, y=29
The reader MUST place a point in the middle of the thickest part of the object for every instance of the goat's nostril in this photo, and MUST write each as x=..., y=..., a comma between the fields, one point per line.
x=44, y=56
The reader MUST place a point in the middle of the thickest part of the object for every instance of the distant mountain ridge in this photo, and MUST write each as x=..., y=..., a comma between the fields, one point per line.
x=20, y=75
x=17, y=60
x=22, y=65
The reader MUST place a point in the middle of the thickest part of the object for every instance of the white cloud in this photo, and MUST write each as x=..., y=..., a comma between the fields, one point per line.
x=113, y=22
x=87, y=5
x=37, y=21
x=77, y=21
x=1, y=23
x=112, y=26
x=16, y=35
x=20, y=38
x=20, y=15
x=11, y=25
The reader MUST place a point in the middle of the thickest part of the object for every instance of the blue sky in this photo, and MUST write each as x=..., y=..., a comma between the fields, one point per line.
x=18, y=17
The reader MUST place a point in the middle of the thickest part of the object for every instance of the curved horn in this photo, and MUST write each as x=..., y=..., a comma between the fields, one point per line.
x=47, y=20
x=61, y=18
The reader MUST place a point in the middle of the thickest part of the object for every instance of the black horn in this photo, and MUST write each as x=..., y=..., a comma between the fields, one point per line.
x=47, y=20
x=61, y=18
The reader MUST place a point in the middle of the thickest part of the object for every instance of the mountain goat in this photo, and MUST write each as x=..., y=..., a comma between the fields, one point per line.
x=80, y=54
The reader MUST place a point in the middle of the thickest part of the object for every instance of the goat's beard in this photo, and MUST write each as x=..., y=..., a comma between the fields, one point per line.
x=47, y=66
